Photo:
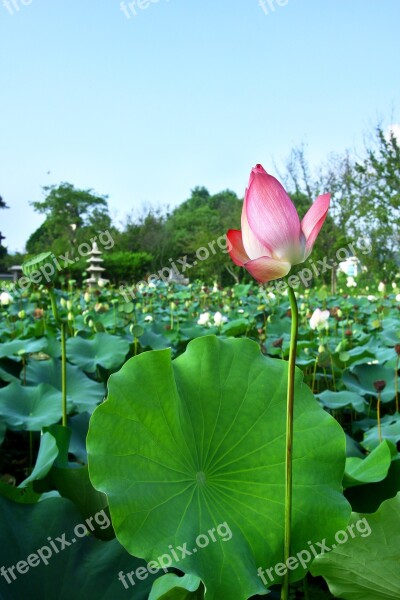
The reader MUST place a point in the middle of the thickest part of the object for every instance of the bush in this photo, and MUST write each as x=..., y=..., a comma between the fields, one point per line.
x=126, y=267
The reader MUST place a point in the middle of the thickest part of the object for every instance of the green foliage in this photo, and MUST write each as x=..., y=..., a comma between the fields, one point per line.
x=366, y=567
x=105, y=331
x=172, y=587
x=86, y=568
x=73, y=216
x=183, y=447
x=365, y=202
x=127, y=267
x=376, y=183
x=197, y=223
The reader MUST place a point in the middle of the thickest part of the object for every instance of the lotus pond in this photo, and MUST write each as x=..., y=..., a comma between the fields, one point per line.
x=173, y=488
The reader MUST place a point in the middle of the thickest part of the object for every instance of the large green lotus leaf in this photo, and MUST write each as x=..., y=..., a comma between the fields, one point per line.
x=74, y=484
x=184, y=447
x=16, y=348
x=68, y=479
x=83, y=392
x=8, y=377
x=366, y=567
x=172, y=587
x=153, y=339
x=368, y=497
x=359, y=355
x=391, y=331
x=108, y=351
x=29, y=408
x=384, y=355
x=390, y=430
x=353, y=448
x=334, y=400
x=85, y=569
x=79, y=424
x=23, y=495
x=361, y=379
x=371, y=469
x=48, y=452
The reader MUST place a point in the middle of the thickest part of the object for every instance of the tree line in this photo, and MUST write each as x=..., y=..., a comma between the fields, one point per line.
x=365, y=205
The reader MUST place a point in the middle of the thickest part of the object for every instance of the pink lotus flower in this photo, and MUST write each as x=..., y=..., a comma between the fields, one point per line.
x=272, y=238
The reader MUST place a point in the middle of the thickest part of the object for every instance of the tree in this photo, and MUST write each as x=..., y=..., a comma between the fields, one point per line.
x=197, y=224
x=365, y=201
x=146, y=234
x=72, y=215
x=376, y=196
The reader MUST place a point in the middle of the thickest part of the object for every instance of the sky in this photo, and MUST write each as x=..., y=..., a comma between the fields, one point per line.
x=142, y=101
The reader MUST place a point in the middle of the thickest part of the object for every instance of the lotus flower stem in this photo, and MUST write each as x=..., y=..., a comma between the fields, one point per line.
x=378, y=412
x=63, y=356
x=333, y=373
x=53, y=304
x=289, y=437
x=314, y=374
x=63, y=374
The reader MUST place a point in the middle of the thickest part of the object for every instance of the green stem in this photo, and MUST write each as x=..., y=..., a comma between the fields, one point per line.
x=63, y=356
x=289, y=437
x=53, y=304
x=314, y=374
x=378, y=412
x=63, y=374
x=333, y=373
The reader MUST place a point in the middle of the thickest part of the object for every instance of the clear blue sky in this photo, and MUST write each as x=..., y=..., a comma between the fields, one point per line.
x=184, y=93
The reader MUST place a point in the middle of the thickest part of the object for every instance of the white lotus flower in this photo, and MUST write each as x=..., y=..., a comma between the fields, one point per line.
x=148, y=318
x=381, y=287
x=398, y=298
x=5, y=298
x=219, y=319
x=319, y=319
x=351, y=282
x=204, y=319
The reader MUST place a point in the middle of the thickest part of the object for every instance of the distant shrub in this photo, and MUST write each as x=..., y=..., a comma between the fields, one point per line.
x=126, y=267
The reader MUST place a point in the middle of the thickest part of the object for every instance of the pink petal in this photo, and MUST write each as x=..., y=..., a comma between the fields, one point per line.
x=313, y=221
x=271, y=214
x=266, y=269
x=235, y=247
x=251, y=244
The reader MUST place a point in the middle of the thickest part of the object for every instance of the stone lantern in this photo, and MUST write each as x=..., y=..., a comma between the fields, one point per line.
x=95, y=269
